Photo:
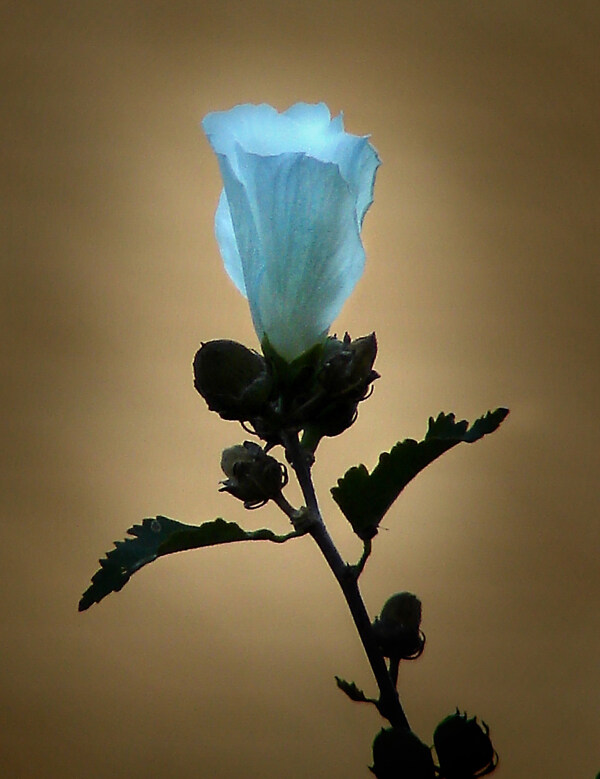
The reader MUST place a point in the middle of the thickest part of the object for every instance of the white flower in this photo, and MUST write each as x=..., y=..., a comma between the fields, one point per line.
x=296, y=189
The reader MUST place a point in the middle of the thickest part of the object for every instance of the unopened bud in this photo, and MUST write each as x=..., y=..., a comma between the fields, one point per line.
x=347, y=365
x=464, y=748
x=343, y=378
x=232, y=379
x=398, y=627
x=253, y=476
x=400, y=754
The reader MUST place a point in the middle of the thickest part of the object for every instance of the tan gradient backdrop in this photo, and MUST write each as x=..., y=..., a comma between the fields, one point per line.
x=482, y=284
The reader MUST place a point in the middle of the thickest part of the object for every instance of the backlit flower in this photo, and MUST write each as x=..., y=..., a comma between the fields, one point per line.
x=296, y=189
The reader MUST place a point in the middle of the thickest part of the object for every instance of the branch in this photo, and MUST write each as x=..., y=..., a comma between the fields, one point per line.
x=389, y=703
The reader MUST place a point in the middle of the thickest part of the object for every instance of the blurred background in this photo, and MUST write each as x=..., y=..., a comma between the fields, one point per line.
x=482, y=284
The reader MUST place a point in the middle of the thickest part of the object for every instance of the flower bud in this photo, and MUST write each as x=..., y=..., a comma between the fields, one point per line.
x=398, y=627
x=253, y=476
x=464, y=748
x=400, y=754
x=343, y=379
x=347, y=366
x=233, y=380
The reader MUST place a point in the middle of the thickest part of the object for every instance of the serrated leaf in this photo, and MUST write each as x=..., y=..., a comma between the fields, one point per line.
x=159, y=536
x=364, y=498
x=216, y=532
x=352, y=691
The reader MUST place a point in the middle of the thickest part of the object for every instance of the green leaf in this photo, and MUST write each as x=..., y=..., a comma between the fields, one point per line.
x=364, y=498
x=159, y=536
x=352, y=691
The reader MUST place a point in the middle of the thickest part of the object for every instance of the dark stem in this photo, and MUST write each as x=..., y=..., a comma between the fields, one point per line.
x=360, y=565
x=287, y=508
x=394, y=668
x=389, y=703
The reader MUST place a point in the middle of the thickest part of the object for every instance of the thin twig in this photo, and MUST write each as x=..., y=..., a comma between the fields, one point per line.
x=281, y=501
x=360, y=565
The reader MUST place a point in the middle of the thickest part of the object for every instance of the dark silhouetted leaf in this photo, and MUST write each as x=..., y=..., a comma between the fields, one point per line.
x=352, y=691
x=365, y=497
x=160, y=536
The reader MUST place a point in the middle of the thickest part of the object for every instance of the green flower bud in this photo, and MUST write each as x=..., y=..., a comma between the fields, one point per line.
x=403, y=608
x=347, y=366
x=233, y=380
x=343, y=378
x=398, y=627
x=464, y=748
x=400, y=754
x=253, y=476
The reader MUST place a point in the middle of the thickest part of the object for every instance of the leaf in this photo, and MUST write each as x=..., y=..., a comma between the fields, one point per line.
x=159, y=536
x=364, y=498
x=352, y=691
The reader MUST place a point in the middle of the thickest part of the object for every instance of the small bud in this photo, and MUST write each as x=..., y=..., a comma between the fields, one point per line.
x=343, y=378
x=400, y=754
x=464, y=748
x=347, y=366
x=233, y=380
x=398, y=627
x=253, y=476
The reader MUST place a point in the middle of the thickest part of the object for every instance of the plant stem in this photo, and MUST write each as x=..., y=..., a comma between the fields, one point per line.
x=389, y=703
x=394, y=668
x=360, y=565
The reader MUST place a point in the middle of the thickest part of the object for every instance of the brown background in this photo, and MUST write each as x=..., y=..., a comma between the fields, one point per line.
x=482, y=283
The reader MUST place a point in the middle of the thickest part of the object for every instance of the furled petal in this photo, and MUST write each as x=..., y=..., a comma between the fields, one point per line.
x=228, y=244
x=296, y=188
x=260, y=129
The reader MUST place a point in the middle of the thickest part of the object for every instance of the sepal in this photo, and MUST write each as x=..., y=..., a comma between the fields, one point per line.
x=319, y=391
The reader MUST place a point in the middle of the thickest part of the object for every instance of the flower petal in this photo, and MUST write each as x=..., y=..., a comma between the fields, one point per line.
x=294, y=206
x=260, y=129
x=312, y=216
x=358, y=162
x=225, y=235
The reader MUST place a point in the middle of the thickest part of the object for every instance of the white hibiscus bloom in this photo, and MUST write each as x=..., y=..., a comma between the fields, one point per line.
x=296, y=189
